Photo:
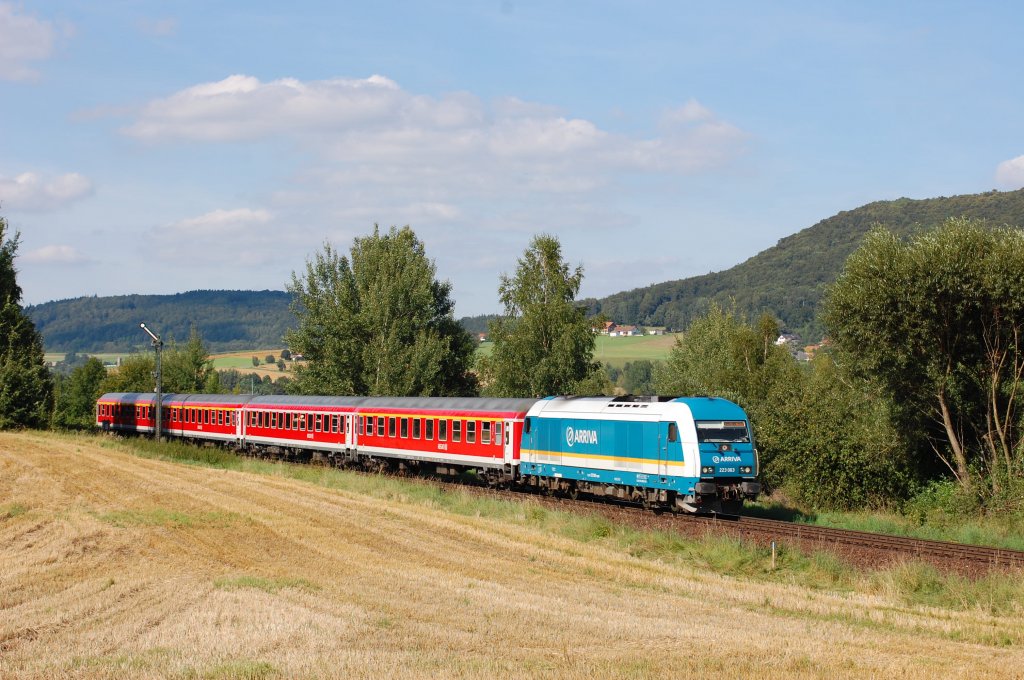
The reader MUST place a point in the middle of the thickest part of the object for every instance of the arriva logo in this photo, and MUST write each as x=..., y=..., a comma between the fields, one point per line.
x=574, y=436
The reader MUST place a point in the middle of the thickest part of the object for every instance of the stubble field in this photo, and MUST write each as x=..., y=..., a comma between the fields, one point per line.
x=113, y=564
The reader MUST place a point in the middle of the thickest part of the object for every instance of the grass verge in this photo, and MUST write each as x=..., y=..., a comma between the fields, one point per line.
x=998, y=532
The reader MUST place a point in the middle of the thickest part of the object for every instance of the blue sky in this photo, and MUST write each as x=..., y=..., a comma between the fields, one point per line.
x=155, y=147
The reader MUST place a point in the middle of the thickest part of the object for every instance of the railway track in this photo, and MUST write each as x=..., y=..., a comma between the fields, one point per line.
x=984, y=557
x=861, y=547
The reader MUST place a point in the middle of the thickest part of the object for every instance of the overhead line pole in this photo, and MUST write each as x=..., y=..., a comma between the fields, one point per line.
x=157, y=347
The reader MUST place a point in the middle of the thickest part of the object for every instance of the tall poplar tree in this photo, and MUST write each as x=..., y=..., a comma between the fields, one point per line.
x=543, y=343
x=378, y=322
x=26, y=386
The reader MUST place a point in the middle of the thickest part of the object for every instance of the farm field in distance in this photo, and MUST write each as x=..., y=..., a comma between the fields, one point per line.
x=105, y=357
x=116, y=564
x=242, y=362
x=617, y=351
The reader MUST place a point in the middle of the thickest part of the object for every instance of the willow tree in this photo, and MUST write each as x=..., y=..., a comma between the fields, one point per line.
x=378, y=322
x=543, y=343
x=938, y=320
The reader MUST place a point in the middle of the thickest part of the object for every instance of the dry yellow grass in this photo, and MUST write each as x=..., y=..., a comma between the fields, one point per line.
x=113, y=565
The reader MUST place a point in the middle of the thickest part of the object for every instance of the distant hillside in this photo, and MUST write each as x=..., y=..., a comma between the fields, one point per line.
x=788, y=280
x=227, y=320
x=477, y=324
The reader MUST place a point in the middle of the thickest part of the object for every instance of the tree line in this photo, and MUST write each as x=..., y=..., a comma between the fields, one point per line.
x=915, y=395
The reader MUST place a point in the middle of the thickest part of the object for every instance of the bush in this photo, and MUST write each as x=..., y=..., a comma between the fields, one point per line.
x=833, y=442
x=942, y=503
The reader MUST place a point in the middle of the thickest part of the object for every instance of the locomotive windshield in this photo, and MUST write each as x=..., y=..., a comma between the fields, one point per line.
x=732, y=431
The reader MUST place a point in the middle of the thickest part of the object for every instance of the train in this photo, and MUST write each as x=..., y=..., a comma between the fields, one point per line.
x=682, y=454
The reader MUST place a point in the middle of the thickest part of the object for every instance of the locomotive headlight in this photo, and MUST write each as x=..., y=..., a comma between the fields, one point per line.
x=746, y=470
x=707, y=470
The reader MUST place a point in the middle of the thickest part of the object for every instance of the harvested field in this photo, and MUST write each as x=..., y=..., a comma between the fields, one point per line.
x=115, y=565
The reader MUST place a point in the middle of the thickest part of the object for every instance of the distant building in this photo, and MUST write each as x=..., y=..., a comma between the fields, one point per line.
x=625, y=331
x=788, y=339
x=482, y=337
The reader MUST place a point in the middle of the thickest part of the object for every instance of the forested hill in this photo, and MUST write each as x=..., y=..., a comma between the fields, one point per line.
x=227, y=320
x=788, y=279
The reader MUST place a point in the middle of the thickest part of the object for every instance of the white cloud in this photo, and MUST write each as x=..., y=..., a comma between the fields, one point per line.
x=23, y=39
x=690, y=112
x=371, y=126
x=58, y=255
x=166, y=26
x=30, y=191
x=1010, y=173
x=240, y=234
x=241, y=107
x=217, y=223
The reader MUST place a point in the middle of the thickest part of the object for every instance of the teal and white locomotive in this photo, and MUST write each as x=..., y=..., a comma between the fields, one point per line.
x=691, y=454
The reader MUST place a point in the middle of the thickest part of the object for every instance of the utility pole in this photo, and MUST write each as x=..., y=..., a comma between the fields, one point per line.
x=157, y=346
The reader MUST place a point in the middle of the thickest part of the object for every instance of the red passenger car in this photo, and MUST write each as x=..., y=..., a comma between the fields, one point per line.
x=452, y=432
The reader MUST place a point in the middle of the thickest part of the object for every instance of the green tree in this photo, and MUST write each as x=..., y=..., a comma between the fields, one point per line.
x=638, y=377
x=833, y=442
x=721, y=355
x=543, y=343
x=135, y=374
x=26, y=386
x=188, y=369
x=378, y=322
x=937, y=320
x=76, y=395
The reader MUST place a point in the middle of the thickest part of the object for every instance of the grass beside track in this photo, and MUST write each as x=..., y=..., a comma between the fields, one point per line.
x=130, y=558
x=998, y=532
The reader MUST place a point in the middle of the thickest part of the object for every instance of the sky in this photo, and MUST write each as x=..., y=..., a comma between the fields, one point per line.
x=160, y=147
